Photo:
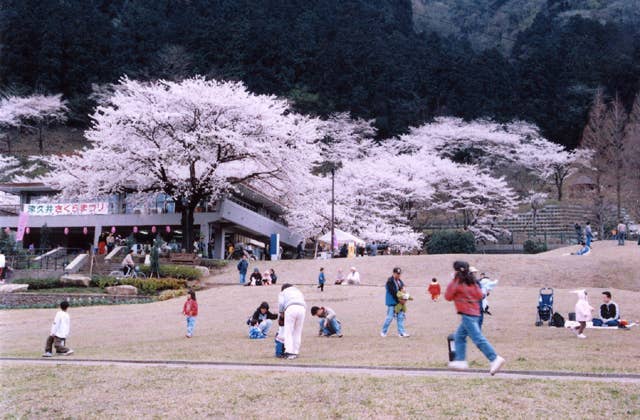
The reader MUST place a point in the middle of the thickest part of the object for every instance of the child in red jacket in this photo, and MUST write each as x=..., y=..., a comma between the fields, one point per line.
x=466, y=294
x=434, y=289
x=190, y=310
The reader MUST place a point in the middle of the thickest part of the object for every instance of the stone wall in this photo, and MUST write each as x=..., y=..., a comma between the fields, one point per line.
x=16, y=275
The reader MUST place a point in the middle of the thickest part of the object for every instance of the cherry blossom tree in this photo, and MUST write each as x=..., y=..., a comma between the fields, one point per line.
x=32, y=113
x=515, y=150
x=194, y=140
x=342, y=141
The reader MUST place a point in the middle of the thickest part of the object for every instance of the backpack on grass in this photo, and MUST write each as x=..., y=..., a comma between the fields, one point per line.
x=557, y=320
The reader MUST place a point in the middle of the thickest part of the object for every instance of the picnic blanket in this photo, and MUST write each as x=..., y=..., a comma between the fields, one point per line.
x=575, y=324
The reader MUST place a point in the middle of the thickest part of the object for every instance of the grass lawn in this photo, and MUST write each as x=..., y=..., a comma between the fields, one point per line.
x=156, y=331
x=125, y=392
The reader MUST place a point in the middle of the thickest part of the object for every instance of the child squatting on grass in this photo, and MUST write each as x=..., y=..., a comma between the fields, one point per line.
x=190, y=310
x=59, y=332
x=466, y=294
x=329, y=324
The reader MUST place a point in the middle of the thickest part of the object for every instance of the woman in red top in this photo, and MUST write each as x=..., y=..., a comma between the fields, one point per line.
x=190, y=310
x=466, y=294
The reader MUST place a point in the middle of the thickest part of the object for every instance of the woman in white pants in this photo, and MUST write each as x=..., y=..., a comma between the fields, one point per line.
x=292, y=306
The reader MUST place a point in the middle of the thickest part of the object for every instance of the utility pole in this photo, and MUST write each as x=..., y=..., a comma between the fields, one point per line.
x=333, y=202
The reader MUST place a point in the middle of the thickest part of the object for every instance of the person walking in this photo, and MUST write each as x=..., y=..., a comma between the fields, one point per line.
x=243, y=266
x=392, y=287
x=190, y=311
x=622, y=232
x=466, y=294
x=588, y=234
x=59, y=332
x=299, y=251
x=292, y=307
x=321, y=279
x=578, y=229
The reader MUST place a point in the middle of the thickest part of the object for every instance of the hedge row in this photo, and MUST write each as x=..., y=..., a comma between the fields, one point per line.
x=175, y=271
x=46, y=283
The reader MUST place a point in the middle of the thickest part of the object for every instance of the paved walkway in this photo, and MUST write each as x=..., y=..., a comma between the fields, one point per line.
x=366, y=370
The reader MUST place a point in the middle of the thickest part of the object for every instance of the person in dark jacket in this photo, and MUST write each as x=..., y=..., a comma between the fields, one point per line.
x=394, y=284
x=262, y=318
x=243, y=265
x=609, y=312
x=256, y=278
x=466, y=294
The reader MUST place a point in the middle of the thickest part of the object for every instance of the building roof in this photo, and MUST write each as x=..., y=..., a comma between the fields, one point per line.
x=18, y=187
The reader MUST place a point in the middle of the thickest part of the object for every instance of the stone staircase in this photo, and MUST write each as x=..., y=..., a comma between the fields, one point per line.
x=554, y=222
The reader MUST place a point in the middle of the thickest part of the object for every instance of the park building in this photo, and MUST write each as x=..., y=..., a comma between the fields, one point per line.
x=246, y=217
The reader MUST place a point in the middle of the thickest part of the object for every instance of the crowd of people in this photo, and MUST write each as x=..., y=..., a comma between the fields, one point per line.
x=468, y=291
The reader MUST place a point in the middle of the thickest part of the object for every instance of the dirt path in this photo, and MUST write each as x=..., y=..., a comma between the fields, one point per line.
x=357, y=370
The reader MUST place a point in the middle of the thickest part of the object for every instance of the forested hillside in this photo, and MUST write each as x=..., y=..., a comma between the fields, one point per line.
x=363, y=56
x=497, y=23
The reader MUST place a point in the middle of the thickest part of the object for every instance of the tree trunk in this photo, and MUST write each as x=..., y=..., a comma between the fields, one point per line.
x=559, y=184
x=40, y=140
x=187, y=226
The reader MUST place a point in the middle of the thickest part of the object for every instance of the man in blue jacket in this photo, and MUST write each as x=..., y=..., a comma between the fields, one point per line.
x=394, y=283
x=243, y=265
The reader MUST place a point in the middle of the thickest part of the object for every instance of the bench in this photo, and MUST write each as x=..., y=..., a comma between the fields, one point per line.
x=186, y=258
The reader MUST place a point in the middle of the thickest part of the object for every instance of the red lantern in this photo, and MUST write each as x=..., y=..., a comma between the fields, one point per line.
x=135, y=229
x=66, y=231
x=85, y=230
x=113, y=229
x=168, y=229
x=27, y=230
x=153, y=229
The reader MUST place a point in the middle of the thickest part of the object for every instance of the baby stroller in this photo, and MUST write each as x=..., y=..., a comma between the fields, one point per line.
x=545, y=306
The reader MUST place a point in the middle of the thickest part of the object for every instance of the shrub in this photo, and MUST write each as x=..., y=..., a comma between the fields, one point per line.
x=175, y=271
x=170, y=294
x=47, y=283
x=534, y=247
x=211, y=263
x=451, y=242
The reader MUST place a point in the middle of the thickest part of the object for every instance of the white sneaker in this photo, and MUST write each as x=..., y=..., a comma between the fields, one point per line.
x=383, y=334
x=67, y=353
x=404, y=335
x=47, y=354
x=496, y=365
x=292, y=356
x=459, y=365
x=582, y=336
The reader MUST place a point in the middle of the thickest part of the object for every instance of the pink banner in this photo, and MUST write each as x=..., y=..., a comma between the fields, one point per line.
x=23, y=220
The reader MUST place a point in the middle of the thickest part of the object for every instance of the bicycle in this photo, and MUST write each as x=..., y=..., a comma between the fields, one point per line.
x=132, y=273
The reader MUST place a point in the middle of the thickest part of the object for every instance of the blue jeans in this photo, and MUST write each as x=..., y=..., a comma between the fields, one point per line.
x=621, y=237
x=589, y=237
x=265, y=325
x=389, y=318
x=469, y=327
x=332, y=328
x=242, y=277
x=191, y=323
x=597, y=322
